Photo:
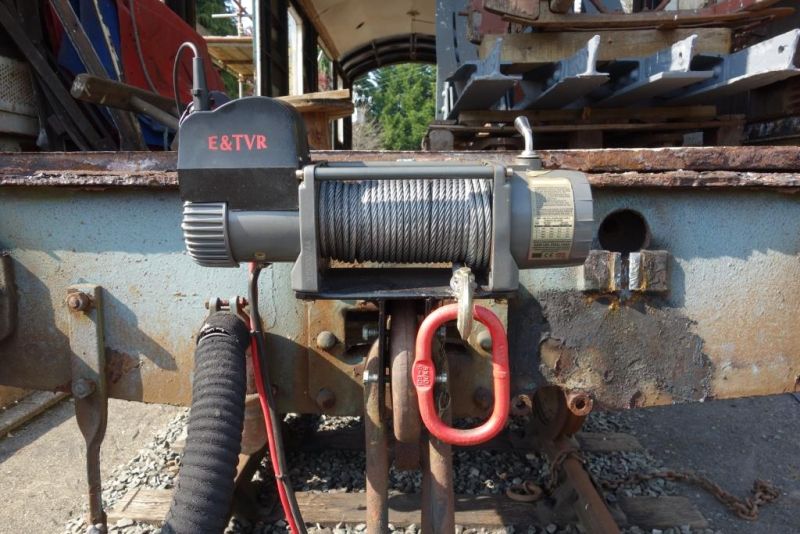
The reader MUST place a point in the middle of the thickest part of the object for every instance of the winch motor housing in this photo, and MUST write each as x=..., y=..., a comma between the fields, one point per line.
x=251, y=193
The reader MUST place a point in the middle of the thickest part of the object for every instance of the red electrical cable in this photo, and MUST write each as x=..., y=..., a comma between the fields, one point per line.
x=273, y=452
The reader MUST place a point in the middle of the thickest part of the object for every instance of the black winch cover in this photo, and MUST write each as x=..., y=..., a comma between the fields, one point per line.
x=244, y=153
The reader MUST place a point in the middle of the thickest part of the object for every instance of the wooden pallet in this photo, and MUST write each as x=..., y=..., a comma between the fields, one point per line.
x=329, y=509
x=587, y=128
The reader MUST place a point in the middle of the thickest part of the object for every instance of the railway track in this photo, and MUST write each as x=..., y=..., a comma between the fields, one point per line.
x=327, y=464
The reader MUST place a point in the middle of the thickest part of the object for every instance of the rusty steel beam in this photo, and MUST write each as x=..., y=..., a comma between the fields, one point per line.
x=736, y=158
x=718, y=167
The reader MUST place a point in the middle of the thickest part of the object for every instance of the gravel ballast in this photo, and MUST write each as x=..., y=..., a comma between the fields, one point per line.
x=476, y=472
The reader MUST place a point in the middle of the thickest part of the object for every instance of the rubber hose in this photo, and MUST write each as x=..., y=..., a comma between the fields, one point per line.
x=202, y=500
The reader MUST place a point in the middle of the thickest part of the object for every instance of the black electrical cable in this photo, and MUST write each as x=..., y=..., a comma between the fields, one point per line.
x=175, y=64
x=276, y=426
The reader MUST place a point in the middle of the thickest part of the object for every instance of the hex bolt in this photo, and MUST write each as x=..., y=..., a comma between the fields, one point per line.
x=369, y=331
x=82, y=388
x=78, y=301
x=485, y=340
x=326, y=399
x=326, y=340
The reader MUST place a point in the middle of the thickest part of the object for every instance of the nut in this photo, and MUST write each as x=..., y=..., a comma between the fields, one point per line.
x=78, y=301
x=326, y=340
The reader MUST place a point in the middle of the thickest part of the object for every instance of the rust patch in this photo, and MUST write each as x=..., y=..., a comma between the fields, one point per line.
x=627, y=354
x=118, y=364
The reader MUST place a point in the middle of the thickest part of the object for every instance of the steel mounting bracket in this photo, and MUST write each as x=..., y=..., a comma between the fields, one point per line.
x=88, y=363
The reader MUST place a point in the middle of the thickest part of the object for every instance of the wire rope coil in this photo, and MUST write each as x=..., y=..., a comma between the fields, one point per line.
x=407, y=221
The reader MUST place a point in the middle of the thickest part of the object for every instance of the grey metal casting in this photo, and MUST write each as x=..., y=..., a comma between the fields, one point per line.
x=764, y=63
x=477, y=85
x=565, y=81
x=638, y=79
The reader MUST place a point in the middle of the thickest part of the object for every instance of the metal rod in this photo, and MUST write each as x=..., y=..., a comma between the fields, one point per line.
x=377, y=446
x=438, y=501
x=403, y=172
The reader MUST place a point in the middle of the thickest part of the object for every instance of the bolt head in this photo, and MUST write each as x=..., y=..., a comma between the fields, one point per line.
x=326, y=340
x=82, y=388
x=78, y=301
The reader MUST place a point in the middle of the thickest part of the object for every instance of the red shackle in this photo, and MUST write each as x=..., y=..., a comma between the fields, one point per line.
x=424, y=376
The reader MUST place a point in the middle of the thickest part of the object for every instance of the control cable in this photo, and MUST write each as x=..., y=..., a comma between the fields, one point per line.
x=271, y=420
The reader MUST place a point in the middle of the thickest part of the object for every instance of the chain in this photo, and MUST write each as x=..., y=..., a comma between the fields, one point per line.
x=762, y=493
x=556, y=465
x=443, y=396
x=530, y=492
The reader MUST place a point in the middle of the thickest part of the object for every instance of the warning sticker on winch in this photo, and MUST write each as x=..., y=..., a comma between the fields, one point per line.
x=553, y=221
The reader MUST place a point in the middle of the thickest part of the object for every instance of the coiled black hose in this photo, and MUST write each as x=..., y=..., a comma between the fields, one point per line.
x=202, y=499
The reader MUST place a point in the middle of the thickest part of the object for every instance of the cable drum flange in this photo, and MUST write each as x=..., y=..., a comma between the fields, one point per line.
x=407, y=221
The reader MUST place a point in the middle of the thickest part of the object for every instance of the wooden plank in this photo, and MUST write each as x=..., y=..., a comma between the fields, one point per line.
x=335, y=104
x=9, y=395
x=589, y=115
x=625, y=126
x=28, y=408
x=145, y=505
x=693, y=18
x=608, y=442
x=661, y=512
x=532, y=49
x=148, y=505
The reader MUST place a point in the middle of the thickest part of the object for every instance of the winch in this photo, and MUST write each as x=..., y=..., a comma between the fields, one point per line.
x=252, y=193
x=403, y=235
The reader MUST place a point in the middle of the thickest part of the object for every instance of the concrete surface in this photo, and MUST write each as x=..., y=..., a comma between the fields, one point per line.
x=733, y=442
x=42, y=477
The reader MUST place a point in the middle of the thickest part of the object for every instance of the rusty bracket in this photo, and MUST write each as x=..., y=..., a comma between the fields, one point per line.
x=235, y=305
x=646, y=271
x=8, y=296
x=88, y=363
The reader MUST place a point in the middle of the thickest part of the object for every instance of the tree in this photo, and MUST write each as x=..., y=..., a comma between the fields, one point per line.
x=400, y=98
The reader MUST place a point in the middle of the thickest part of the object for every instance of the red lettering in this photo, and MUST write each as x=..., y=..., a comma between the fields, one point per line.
x=238, y=138
x=237, y=142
